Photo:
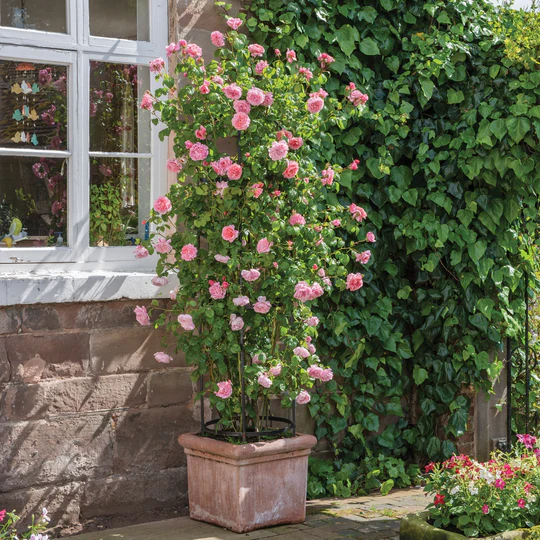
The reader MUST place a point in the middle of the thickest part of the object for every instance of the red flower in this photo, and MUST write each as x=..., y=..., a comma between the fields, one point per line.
x=439, y=500
x=521, y=503
x=430, y=467
x=2, y=515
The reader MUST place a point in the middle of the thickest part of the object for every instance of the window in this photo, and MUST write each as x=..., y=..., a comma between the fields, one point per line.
x=80, y=162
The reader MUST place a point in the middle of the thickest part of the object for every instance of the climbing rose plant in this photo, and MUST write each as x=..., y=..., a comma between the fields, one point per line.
x=247, y=228
x=481, y=499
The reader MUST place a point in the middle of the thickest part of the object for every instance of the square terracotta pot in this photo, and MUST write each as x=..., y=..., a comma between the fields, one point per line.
x=249, y=486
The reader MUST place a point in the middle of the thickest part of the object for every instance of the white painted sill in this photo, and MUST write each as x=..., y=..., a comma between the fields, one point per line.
x=54, y=287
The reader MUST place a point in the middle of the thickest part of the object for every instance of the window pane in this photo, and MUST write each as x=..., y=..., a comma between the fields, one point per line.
x=33, y=201
x=46, y=15
x=117, y=123
x=121, y=19
x=119, y=200
x=33, y=105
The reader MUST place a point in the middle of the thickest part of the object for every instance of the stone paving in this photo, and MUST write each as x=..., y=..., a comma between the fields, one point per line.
x=375, y=517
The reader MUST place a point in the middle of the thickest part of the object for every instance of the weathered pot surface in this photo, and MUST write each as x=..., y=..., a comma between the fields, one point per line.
x=416, y=527
x=249, y=486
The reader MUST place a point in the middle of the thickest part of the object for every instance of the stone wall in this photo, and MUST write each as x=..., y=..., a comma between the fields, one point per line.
x=88, y=418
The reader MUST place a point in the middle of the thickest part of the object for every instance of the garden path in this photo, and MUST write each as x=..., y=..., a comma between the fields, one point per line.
x=374, y=517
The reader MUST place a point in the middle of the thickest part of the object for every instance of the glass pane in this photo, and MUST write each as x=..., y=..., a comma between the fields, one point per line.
x=119, y=200
x=46, y=15
x=121, y=19
x=117, y=123
x=33, y=105
x=33, y=201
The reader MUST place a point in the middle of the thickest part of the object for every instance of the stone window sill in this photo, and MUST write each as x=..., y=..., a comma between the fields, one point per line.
x=54, y=287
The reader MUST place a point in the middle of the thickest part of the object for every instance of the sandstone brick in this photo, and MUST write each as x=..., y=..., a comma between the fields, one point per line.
x=36, y=318
x=5, y=366
x=33, y=401
x=65, y=355
x=130, y=494
x=10, y=320
x=147, y=439
x=127, y=350
x=62, y=503
x=170, y=387
x=195, y=18
x=56, y=451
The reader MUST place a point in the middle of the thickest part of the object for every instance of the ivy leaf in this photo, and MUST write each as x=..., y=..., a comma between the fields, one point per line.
x=346, y=37
x=477, y=250
x=419, y=375
x=387, y=486
x=486, y=305
x=498, y=128
x=455, y=96
x=371, y=422
x=369, y=47
x=427, y=88
x=518, y=127
x=373, y=324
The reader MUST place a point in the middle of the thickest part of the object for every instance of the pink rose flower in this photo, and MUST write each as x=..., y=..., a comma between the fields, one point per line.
x=157, y=65
x=306, y=73
x=229, y=233
x=295, y=143
x=186, y=321
x=240, y=121
x=363, y=257
x=316, y=291
x=312, y=321
x=163, y=358
x=159, y=281
x=264, y=246
x=198, y=152
x=336, y=222
x=315, y=372
x=222, y=258
x=188, y=144
x=217, y=291
x=173, y=293
x=355, y=282
x=327, y=375
x=163, y=246
x=222, y=166
x=162, y=205
x=297, y=219
x=236, y=322
x=193, y=50
x=291, y=56
x=232, y=91
x=241, y=105
x=354, y=165
x=485, y=509
x=188, y=252
x=201, y=133
x=234, y=172
x=315, y=104
x=327, y=177
x=258, y=359
x=264, y=380
x=303, y=397
x=250, y=275
x=311, y=348
x=257, y=189
x=278, y=150
x=325, y=60
x=262, y=305
x=142, y=316
x=217, y=79
x=217, y=38
x=370, y=237
x=256, y=50
x=234, y=23
x=358, y=213
x=220, y=188
x=302, y=291
x=172, y=48
x=255, y=96
x=292, y=169
x=175, y=165
x=521, y=503
x=224, y=389
x=275, y=371
x=261, y=66
x=268, y=99
x=141, y=252
x=241, y=301
x=357, y=98
x=147, y=101
x=302, y=352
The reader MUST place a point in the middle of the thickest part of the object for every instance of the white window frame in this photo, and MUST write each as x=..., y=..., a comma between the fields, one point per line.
x=75, y=50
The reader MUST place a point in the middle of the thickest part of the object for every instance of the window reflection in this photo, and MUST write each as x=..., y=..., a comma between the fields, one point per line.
x=45, y=15
x=121, y=19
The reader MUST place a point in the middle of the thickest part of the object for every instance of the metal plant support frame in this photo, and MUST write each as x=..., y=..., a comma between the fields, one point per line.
x=244, y=434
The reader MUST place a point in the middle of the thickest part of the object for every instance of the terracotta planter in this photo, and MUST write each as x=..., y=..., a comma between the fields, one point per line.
x=416, y=527
x=249, y=486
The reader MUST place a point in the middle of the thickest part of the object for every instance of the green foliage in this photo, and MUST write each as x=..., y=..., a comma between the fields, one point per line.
x=449, y=169
x=10, y=531
x=106, y=225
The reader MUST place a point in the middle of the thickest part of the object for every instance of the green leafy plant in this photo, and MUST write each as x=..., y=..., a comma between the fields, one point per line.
x=38, y=525
x=106, y=223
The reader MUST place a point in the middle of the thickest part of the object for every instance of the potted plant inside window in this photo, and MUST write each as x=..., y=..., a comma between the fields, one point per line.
x=495, y=500
x=263, y=236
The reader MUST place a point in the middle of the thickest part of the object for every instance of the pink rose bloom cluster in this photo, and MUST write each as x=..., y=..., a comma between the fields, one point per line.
x=232, y=91
x=363, y=257
x=198, y=152
x=275, y=371
x=325, y=60
x=229, y=233
x=327, y=177
x=217, y=38
x=147, y=101
x=222, y=258
x=234, y=23
x=141, y=252
x=163, y=358
x=163, y=245
x=260, y=67
x=262, y=305
x=312, y=321
x=291, y=56
x=221, y=166
x=356, y=97
x=295, y=143
x=234, y=172
x=188, y=252
x=220, y=188
x=256, y=50
x=250, y=275
x=291, y=170
x=175, y=165
x=258, y=359
x=218, y=290
x=355, y=282
x=172, y=48
x=297, y=219
x=264, y=246
x=302, y=352
x=315, y=103
x=264, y=380
x=255, y=96
x=317, y=372
x=278, y=150
x=303, y=397
x=157, y=65
x=162, y=205
x=200, y=133
x=159, y=281
x=257, y=189
x=305, y=292
x=186, y=321
x=240, y=121
x=236, y=322
x=357, y=212
x=306, y=73
x=142, y=316
x=224, y=389
x=241, y=105
x=370, y=237
x=241, y=301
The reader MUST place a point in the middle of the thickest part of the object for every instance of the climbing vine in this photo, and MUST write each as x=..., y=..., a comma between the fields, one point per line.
x=449, y=171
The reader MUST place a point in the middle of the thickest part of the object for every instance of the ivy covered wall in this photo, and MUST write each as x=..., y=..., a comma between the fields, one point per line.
x=450, y=174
